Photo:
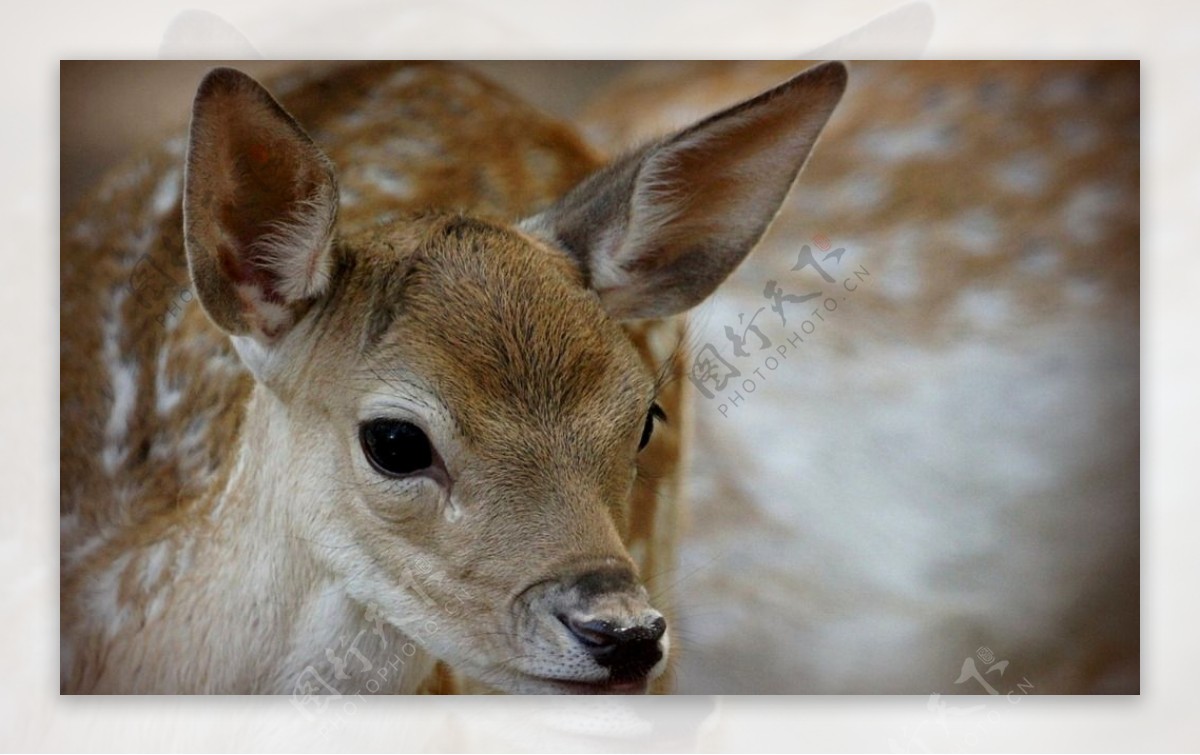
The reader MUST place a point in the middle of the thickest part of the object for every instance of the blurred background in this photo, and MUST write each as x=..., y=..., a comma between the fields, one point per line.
x=938, y=486
x=936, y=490
x=110, y=108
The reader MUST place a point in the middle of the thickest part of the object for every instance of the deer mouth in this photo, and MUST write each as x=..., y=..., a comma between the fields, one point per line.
x=637, y=686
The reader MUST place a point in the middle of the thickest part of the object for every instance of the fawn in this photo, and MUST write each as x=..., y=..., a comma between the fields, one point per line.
x=362, y=410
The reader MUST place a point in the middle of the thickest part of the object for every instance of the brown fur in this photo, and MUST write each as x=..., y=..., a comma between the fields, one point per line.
x=245, y=505
x=116, y=238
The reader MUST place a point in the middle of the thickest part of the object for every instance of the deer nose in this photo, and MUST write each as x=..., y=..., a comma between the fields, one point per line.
x=627, y=651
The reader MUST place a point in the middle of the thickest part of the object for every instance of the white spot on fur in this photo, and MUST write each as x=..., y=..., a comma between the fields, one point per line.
x=84, y=549
x=155, y=609
x=1039, y=258
x=976, y=232
x=901, y=278
x=166, y=397
x=411, y=148
x=190, y=450
x=160, y=569
x=1083, y=291
x=404, y=77
x=192, y=442
x=183, y=557
x=985, y=308
x=270, y=316
x=70, y=530
x=122, y=377
x=166, y=194
x=154, y=562
x=84, y=230
x=452, y=511
x=861, y=191
x=1023, y=174
x=176, y=146
x=899, y=144
x=287, y=84
x=353, y=120
x=105, y=597
x=389, y=182
x=125, y=492
x=124, y=182
x=216, y=361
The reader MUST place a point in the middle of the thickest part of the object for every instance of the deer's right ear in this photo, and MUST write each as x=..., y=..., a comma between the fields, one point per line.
x=260, y=201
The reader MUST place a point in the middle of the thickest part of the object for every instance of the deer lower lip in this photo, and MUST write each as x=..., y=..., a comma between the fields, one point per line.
x=635, y=687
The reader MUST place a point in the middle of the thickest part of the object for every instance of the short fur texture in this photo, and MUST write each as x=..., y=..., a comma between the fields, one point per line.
x=229, y=535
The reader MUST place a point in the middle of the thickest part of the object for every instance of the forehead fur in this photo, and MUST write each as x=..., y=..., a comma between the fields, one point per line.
x=497, y=323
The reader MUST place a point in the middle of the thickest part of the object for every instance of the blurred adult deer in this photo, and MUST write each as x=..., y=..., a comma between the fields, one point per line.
x=338, y=408
x=947, y=468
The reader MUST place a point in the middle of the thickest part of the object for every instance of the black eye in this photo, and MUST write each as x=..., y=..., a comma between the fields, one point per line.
x=395, y=447
x=655, y=412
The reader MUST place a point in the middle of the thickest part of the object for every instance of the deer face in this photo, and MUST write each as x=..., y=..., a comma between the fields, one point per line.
x=488, y=415
x=456, y=399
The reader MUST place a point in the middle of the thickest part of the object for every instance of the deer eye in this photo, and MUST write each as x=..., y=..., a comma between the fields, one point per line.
x=655, y=412
x=395, y=447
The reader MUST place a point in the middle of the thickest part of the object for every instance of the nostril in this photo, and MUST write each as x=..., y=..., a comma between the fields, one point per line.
x=601, y=633
x=657, y=628
x=628, y=651
x=594, y=633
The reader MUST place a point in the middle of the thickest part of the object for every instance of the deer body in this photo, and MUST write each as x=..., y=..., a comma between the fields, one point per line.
x=336, y=409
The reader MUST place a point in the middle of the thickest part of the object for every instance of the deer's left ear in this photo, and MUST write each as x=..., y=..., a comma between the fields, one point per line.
x=656, y=232
x=260, y=201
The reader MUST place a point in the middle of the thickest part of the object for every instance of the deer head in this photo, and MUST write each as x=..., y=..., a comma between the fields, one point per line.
x=447, y=412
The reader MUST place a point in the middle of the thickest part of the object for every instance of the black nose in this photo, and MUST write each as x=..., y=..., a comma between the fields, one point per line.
x=628, y=652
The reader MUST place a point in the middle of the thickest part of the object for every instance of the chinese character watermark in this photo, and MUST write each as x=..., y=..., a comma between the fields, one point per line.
x=955, y=726
x=752, y=354
x=330, y=692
